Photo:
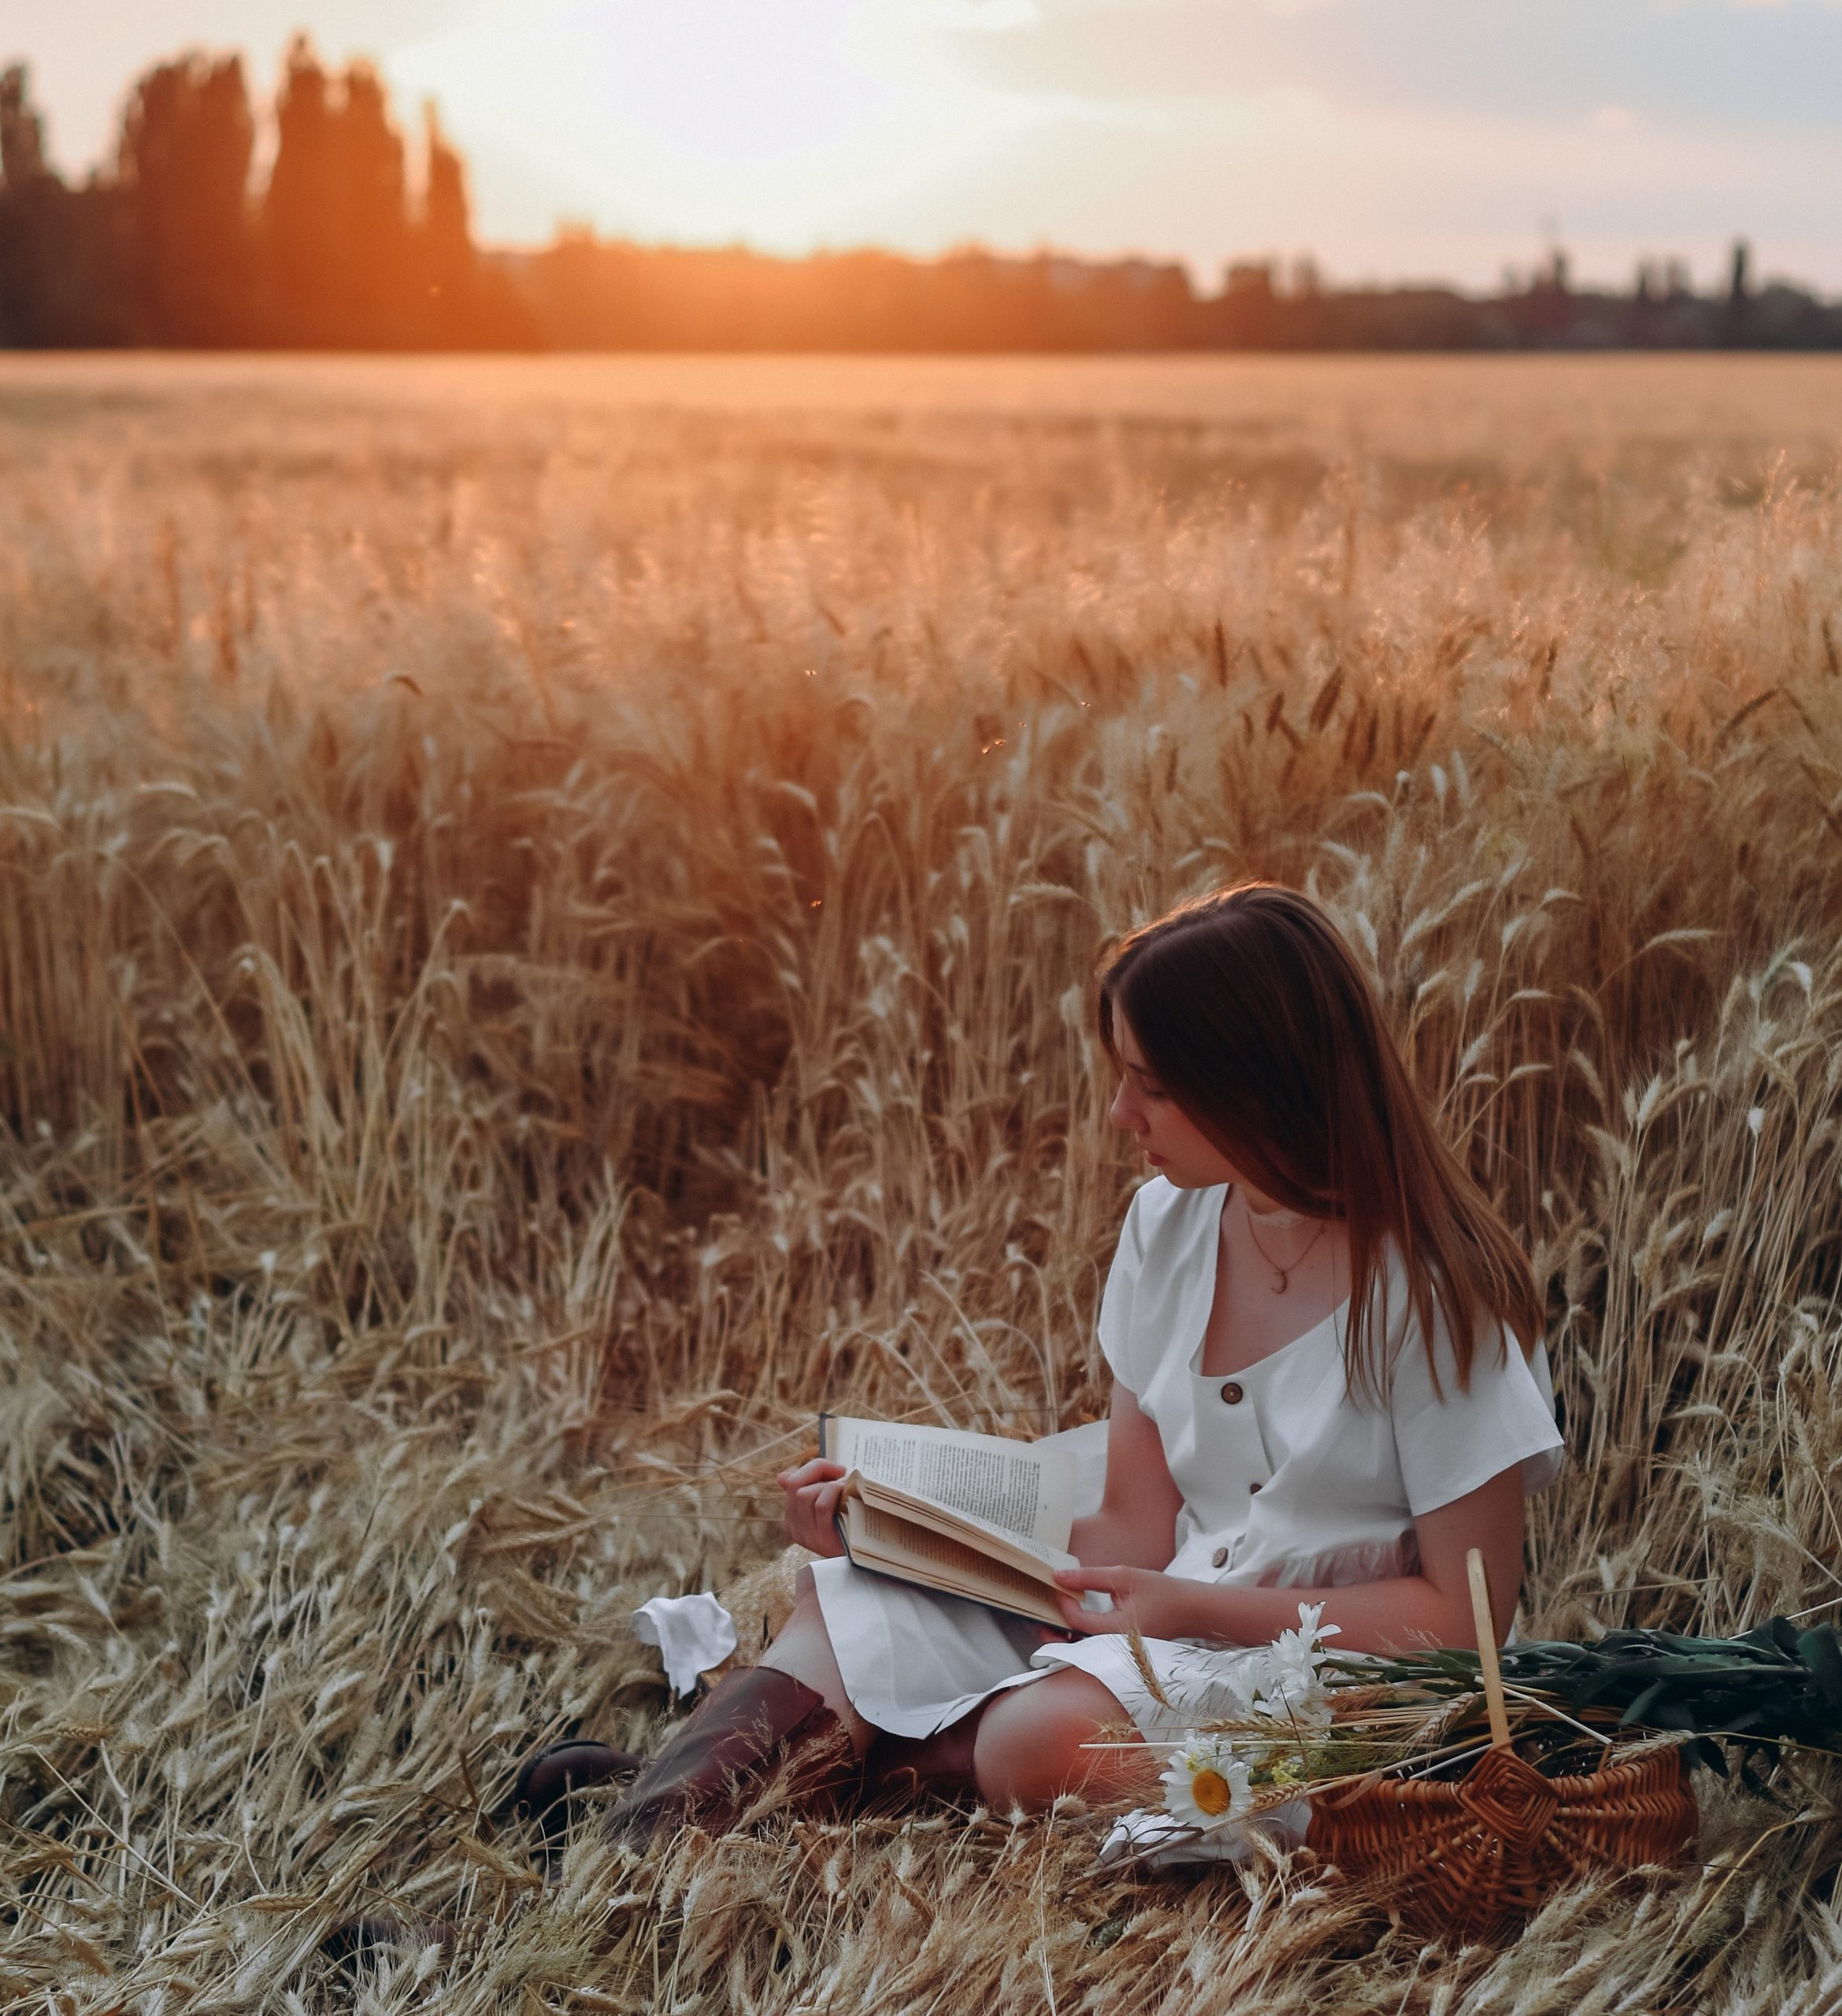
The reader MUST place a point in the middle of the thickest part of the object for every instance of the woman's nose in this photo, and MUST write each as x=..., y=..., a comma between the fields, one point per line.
x=1124, y=1112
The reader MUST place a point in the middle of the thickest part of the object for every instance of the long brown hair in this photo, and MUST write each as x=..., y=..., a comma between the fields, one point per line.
x=1253, y=1016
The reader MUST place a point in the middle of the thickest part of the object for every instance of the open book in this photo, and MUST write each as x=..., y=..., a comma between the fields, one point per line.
x=970, y=1515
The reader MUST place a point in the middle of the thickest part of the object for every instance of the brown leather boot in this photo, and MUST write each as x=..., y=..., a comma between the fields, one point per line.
x=751, y=1724
x=550, y=1779
x=904, y=1767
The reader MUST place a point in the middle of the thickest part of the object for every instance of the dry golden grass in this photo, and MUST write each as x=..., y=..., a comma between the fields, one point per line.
x=545, y=920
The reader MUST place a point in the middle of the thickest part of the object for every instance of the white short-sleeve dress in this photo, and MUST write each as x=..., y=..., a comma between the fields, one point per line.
x=1289, y=1480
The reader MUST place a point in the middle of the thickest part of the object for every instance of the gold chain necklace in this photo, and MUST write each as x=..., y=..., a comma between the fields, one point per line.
x=1281, y=1276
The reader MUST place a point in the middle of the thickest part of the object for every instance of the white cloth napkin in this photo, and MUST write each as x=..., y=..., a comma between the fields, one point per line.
x=693, y=1634
x=1155, y=1840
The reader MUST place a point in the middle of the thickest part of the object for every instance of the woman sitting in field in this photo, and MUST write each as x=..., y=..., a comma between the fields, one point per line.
x=1328, y=1385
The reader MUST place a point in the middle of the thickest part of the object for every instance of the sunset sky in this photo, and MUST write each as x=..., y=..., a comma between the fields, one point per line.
x=1388, y=137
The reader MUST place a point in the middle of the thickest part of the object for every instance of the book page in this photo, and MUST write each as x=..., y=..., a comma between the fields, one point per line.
x=1034, y=1557
x=1009, y=1486
x=879, y=1540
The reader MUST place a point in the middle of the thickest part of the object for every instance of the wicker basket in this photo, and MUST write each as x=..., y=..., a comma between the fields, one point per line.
x=1472, y=1858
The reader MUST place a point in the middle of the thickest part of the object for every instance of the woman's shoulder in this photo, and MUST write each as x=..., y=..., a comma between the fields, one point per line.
x=1164, y=1219
x=1398, y=1317
x=1454, y=1433
x=1165, y=1249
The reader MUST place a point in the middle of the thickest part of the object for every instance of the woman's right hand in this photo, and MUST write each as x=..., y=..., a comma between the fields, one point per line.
x=813, y=1493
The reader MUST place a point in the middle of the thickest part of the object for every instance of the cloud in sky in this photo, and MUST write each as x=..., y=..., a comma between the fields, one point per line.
x=1389, y=136
x=1699, y=62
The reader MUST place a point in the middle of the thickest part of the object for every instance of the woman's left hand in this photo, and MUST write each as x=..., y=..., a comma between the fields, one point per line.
x=1157, y=1606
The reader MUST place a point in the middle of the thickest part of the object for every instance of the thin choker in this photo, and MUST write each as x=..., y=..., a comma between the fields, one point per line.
x=1282, y=1276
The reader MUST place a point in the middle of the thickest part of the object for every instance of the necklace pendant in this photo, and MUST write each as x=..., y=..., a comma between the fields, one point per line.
x=1280, y=1282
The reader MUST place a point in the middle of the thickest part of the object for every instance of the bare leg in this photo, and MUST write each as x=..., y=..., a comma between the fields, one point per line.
x=1029, y=1747
x=804, y=1650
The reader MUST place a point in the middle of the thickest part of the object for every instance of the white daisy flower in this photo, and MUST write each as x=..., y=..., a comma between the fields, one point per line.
x=1287, y=1685
x=1206, y=1784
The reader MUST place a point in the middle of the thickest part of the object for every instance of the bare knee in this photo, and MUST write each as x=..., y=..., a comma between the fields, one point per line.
x=805, y=1623
x=802, y=1648
x=1034, y=1743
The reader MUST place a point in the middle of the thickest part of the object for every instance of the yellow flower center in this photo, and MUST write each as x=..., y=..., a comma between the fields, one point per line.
x=1209, y=1790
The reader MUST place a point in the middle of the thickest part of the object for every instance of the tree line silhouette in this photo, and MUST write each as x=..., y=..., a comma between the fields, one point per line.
x=342, y=247
x=175, y=246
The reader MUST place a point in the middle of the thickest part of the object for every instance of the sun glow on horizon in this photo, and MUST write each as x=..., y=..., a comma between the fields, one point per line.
x=732, y=81
x=717, y=119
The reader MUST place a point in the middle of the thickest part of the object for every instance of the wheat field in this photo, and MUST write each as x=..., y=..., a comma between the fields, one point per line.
x=546, y=919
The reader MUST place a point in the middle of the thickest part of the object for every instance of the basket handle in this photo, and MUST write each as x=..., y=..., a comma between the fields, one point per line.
x=1487, y=1665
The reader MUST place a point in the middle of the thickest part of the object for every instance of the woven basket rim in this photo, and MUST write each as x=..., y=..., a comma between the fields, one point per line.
x=1633, y=1758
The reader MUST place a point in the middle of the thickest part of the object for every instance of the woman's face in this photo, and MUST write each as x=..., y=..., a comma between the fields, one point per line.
x=1174, y=1146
